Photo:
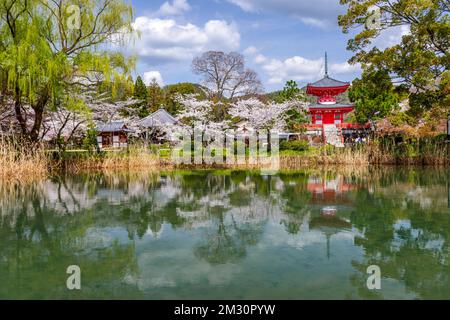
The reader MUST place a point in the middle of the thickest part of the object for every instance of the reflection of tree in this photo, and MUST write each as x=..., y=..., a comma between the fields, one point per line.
x=409, y=244
x=296, y=198
x=75, y=220
x=228, y=244
x=37, y=248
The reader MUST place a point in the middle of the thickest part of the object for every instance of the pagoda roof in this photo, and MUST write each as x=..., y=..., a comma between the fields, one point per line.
x=330, y=106
x=328, y=82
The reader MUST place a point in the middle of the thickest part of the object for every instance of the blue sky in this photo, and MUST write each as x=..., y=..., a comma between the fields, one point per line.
x=280, y=39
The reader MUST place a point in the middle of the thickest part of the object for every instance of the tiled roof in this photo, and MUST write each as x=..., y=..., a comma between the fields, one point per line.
x=116, y=126
x=160, y=117
x=328, y=82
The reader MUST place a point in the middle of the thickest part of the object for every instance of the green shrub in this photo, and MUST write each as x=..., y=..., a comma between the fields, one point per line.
x=90, y=140
x=296, y=145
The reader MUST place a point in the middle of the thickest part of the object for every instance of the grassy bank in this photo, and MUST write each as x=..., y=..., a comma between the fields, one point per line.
x=361, y=155
x=22, y=162
x=133, y=158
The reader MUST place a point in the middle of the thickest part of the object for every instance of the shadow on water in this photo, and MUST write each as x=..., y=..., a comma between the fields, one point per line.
x=228, y=234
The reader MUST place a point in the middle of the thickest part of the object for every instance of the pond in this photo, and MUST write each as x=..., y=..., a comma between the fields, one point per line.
x=308, y=234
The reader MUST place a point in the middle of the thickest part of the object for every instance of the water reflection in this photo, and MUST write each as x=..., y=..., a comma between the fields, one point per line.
x=232, y=234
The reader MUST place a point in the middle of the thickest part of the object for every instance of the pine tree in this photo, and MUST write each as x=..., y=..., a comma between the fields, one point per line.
x=140, y=93
x=140, y=90
x=155, y=96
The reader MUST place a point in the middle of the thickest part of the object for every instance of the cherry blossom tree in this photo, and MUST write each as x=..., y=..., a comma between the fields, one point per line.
x=264, y=116
x=64, y=124
x=197, y=115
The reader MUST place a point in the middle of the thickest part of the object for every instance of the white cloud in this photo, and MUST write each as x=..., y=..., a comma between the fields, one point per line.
x=177, y=7
x=318, y=13
x=297, y=68
x=249, y=6
x=163, y=40
x=250, y=51
x=344, y=68
x=391, y=37
x=259, y=59
x=315, y=22
x=150, y=75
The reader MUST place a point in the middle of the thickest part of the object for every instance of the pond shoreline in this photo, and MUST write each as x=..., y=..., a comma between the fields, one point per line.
x=25, y=164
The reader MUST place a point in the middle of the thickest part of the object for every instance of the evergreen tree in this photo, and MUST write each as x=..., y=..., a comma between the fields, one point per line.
x=140, y=90
x=140, y=93
x=295, y=116
x=172, y=91
x=155, y=96
x=374, y=96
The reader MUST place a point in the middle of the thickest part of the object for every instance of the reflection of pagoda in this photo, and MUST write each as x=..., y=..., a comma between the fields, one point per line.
x=332, y=191
x=327, y=194
x=329, y=225
x=327, y=111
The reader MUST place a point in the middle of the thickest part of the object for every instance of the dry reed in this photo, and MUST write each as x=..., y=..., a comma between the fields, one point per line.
x=22, y=162
x=132, y=159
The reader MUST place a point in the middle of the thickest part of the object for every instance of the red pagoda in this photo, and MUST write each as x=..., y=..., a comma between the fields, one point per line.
x=326, y=111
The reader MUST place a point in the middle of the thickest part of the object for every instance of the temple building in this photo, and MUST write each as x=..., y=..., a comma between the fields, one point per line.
x=327, y=111
x=327, y=116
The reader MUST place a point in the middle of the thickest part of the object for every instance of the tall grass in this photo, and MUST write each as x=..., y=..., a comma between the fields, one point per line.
x=373, y=153
x=136, y=158
x=22, y=162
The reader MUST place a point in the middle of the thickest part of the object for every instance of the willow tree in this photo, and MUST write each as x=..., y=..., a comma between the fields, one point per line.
x=51, y=50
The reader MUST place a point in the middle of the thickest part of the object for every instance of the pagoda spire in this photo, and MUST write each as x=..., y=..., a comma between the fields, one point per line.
x=326, y=64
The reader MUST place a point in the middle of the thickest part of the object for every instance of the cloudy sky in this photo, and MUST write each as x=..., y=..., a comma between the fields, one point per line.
x=280, y=39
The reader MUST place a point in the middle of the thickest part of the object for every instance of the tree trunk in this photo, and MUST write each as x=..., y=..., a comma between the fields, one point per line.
x=38, y=116
x=18, y=112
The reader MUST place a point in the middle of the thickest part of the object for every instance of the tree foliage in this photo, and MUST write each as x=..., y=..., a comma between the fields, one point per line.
x=421, y=60
x=374, y=96
x=50, y=50
x=140, y=93
x=140, y=89
x=155, y=96
x=295, y=116
x=172, y=92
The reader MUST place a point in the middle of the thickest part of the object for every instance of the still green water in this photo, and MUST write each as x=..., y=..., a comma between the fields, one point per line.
x=228, y=235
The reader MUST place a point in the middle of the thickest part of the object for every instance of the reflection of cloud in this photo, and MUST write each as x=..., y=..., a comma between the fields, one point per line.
x=304, y=238
x=155, y=234
x=175, y=272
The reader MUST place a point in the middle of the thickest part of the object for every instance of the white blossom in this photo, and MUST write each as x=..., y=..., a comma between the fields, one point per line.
x=263, y=115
